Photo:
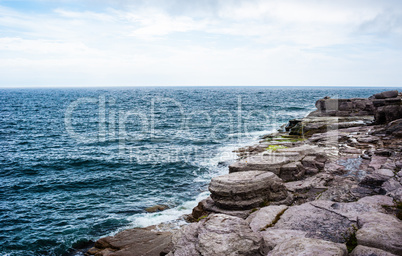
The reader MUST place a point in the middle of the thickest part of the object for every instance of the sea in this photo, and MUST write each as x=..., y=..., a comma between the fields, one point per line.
x=78, y=164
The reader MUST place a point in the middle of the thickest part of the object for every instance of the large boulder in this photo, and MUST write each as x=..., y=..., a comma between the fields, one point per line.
x=218, y=234
x=246, y=190
x=308, y=247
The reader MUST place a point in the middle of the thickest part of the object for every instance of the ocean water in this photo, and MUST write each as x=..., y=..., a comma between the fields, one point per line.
x=79, y=164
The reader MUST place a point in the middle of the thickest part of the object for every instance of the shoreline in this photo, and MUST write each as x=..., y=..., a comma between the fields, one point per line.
x=299, y=175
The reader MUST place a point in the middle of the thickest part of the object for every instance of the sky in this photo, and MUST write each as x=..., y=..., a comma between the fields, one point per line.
x=200, y=43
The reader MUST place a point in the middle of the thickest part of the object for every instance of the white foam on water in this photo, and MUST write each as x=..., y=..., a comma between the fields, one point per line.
x=224, y=154
x=167, y=216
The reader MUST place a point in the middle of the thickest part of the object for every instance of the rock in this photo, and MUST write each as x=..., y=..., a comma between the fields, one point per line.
x=246, y=190
x=265, y=217
x=394, y=128
x=199, y=210
x=393, y=188
x=378, y=200
x=319, y=181
x=386, y=114
x=270, y=162
x=308, y=247
x=380, y=231
x=385, y=172
x=341, y=190
x=321, y=124
x=316, y=222
x=378, y=102
x=391, y=185
x=272, y=237
x=210, y=207
x=185, y=241
x=157, y=208
x=375, y=217
x=368, y=139
x=397, y=195
x=387, y=94
x=135, y=242
x=373, y=180
x=311, y=165
x=292, y=171
x=352, y=210
x=218, y=234
x=343, y=107
x=369, y=251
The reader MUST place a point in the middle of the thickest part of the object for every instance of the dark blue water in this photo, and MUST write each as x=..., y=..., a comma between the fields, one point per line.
x=78, y=164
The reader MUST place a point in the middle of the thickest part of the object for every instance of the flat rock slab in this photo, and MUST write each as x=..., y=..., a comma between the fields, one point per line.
x=355, y=209
x=266, y=161
x=380, y=231
x=309, y=247
x=265, y=217
x=246, y=190
x=316, y=222
x=133, y=242
x=369, y=251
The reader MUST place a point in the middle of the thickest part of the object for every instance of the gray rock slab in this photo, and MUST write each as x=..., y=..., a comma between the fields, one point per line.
x=308, y=247
x=266, y=216
x=316, y=222
x=354, y=209
x=369, y=251
x=272, y=237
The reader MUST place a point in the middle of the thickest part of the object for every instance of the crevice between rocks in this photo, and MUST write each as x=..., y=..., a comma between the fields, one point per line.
x=277, y=218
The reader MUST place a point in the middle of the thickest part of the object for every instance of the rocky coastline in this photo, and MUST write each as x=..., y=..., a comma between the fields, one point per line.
x=328, y=184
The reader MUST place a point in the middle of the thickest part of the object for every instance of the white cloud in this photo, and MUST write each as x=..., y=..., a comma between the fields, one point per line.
x=229, y=43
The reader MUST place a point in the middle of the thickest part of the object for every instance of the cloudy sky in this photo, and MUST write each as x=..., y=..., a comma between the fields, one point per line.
x=200, y=42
